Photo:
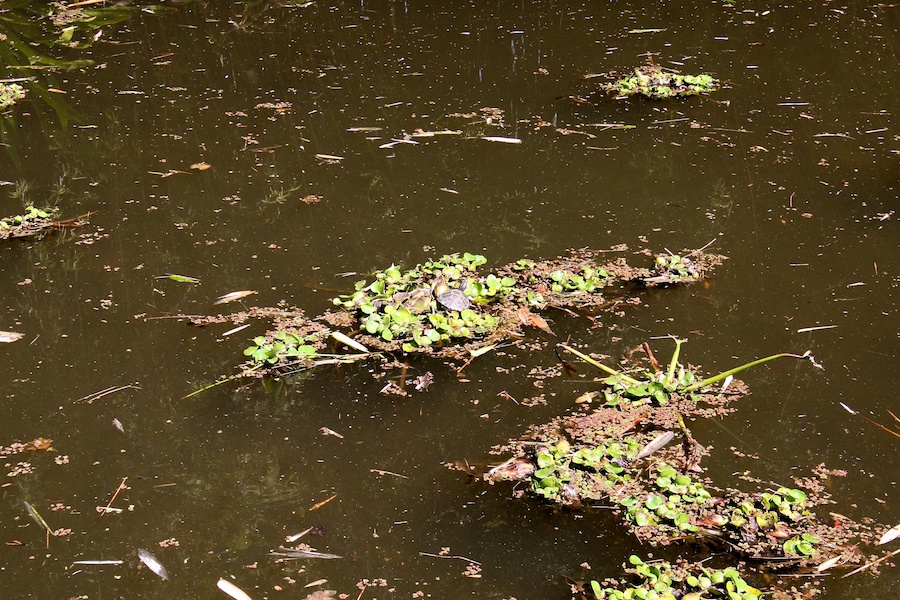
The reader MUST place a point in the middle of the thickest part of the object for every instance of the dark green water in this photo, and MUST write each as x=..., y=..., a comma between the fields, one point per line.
x=793, y=170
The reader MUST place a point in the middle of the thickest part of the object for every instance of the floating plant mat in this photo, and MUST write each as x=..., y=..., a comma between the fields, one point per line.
x=636, y=455
x=35, y=221
x=657, y=83
x=449, y=308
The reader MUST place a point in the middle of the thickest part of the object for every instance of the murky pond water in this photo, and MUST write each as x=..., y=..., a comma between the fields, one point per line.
x=792, y=170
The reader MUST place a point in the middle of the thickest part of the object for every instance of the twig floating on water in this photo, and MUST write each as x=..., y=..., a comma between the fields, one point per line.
x=98, y=562
x=502, y=140
x=468, y=560
x=110, y=390
x=872, y=563
x=806, y=329
x=322, y=503
x=113, y=499
x=383, y=472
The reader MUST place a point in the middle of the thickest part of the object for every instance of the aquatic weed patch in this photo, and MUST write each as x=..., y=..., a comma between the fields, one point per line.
x=639, y=458
x=661, y=580
x=656, y=83
x=10, y=94
x=444, y=308
x=32, y=222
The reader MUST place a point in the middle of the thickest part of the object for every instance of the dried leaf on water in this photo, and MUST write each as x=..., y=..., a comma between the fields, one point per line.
x=232, y=590
x=7, y=337
x=298, y=553
x=118, y=425
x=657, y=443
x=532, y=320
x=315, y=583
x=179, y=278
x=232, y=296
x=890, y=535
x=40, y=444
x=348, y=341
x=828, y=564
x=201, y=166
x=152, y=563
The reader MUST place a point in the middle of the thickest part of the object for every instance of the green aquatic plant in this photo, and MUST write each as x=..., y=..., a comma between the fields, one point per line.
x=283, y=346
x=675, y=499
x=660, y=387
x=10, y=93
x=660, y=580
x=656, y=83
x=416, y=307
x=30, y=216
x=588, y=280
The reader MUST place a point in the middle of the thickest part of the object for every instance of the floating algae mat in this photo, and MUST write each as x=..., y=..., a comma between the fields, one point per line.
x=636, y=454
x=656, y=83
x=450, y=308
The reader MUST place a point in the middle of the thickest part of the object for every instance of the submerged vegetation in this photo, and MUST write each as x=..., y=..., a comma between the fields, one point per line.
x=657, y=83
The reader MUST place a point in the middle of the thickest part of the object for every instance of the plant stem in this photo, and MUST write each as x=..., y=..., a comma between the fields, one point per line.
x=670, y=376
x=721, y=376
x=601, y=366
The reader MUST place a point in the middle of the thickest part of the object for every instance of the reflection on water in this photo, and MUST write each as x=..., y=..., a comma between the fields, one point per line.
x=791, y=168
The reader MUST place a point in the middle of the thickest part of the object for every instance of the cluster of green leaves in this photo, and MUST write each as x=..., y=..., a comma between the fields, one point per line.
x=785, y=505
x=677, y=267
x=677, y=495
x=10, y=93
x=400, y=305
x=32, y=214
x=656, y=84
x=587, y=281
x=285, y=346
x=661, y=581
x=656, y=389
x=803, y=545
x=557, y=465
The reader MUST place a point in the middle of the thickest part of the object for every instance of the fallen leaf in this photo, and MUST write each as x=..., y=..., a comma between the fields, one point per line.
x=7, y=337
x=532, y=320
x=39, y=444
x=232, y=590
x=152, y=563
x=201, y=166
x=311, y=199
x=890, y=535
x=232, y=296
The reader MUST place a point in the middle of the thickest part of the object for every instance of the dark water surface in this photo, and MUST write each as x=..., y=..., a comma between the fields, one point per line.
x=793, y=170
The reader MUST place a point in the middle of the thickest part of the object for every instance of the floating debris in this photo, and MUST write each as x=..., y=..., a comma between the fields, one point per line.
x=152, y=563
x=232, y=590
x=656, y=83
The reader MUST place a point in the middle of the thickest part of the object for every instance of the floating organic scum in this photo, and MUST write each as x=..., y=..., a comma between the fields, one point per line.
x=656, y=83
